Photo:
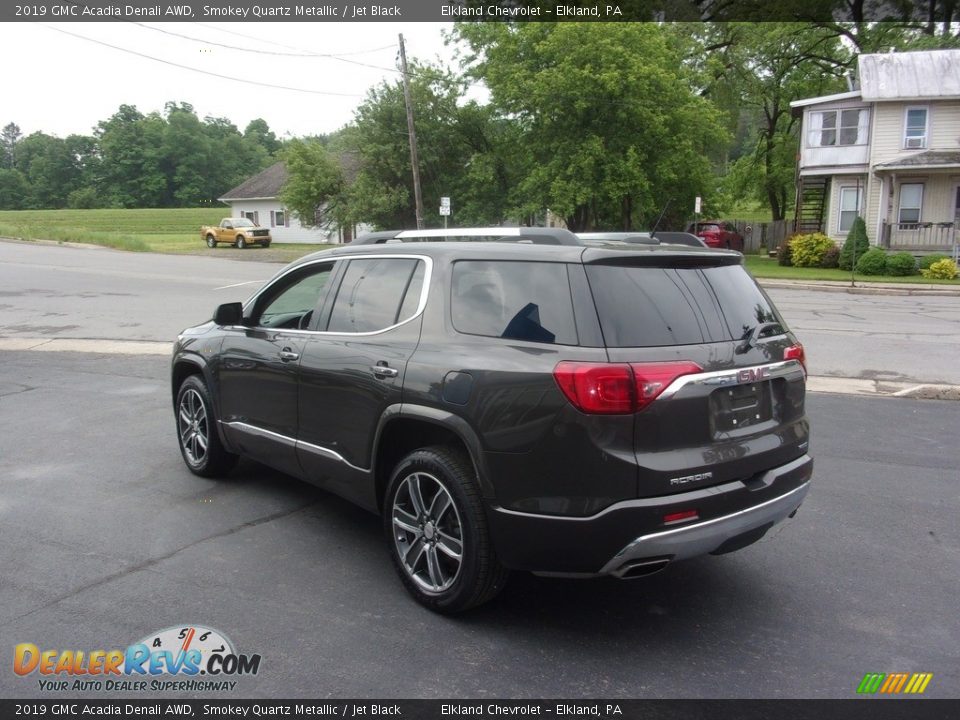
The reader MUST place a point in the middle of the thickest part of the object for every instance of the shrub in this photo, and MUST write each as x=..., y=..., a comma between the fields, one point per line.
x=856, y=239
x=808, y=250
x=927, y=260
x=785, y=253
x=945, y=269
x=873, y=262
x=901, y=264
x=84, y=199
x=831, y=258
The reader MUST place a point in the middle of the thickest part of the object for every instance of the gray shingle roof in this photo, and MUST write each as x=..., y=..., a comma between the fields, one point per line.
x=928, y=159
x=265, y=184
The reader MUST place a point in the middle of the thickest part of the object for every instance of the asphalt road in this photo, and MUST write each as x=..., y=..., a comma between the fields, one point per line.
x=64, y=292
x=106, y=538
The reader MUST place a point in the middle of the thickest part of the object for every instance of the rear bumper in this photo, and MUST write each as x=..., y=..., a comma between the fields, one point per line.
x=630, y=538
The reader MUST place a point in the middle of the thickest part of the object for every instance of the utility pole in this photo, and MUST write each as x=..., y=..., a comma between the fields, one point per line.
x=411, y=131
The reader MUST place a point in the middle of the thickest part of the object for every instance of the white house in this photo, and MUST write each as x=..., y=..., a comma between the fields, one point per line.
x=259, y=200
x=888, y=151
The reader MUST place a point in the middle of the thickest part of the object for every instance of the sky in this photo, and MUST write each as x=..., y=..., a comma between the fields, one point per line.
x=62, y=83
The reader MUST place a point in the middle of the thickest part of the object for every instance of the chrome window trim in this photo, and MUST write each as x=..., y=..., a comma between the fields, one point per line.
x=421, y=306
x=292, y=442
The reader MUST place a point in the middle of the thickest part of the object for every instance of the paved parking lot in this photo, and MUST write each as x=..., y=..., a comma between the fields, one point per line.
x=107, y=538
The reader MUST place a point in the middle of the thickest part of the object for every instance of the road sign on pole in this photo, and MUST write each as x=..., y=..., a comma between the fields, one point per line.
x=444, y=206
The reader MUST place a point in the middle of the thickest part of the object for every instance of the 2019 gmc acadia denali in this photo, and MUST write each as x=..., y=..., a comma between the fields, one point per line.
x=511, y=399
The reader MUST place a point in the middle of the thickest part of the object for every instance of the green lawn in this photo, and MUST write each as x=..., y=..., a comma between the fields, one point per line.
x=174, y=230
x=764, y=267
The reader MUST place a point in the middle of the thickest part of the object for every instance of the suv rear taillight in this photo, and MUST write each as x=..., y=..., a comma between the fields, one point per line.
x=617, y=388
x=795, y=352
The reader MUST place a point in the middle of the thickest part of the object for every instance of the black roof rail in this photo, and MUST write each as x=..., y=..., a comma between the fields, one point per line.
x=533, y=235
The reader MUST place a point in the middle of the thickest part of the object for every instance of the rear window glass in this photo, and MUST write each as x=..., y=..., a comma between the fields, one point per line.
x=513, y=300
x=652, y=306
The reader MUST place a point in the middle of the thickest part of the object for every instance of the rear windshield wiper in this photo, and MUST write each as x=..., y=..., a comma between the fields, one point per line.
x=753, y=334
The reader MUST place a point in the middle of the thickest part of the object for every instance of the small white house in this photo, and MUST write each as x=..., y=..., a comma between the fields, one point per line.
x=258, y=199
x=888, y=151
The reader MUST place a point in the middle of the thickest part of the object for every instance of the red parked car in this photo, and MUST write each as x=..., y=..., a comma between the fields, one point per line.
x=718, y=234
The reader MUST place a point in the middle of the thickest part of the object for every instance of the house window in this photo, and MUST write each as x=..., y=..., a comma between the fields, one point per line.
x=850, y=199
x=252, y=216
x=915, y=128
x=911, y=200
x=838, y=127
x=279, y=215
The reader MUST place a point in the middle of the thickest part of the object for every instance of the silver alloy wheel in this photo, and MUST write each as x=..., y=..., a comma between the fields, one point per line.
x=427, y=533
x=193, y=426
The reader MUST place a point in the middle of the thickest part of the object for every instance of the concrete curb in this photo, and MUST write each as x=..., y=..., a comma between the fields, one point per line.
x=861, y=288
x=815, y=383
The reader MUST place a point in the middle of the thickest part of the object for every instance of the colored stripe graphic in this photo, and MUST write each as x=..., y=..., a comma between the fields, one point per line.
x=871, y=683
x=894, y=683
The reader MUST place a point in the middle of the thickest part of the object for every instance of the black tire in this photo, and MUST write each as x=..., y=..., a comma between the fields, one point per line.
x=266, y=244
x=211, y=241
x=241, y=242
x=197, y=433
x=450, y=517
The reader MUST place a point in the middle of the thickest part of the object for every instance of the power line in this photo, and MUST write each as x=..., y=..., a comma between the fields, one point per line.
x=288, y=47
x=198, y=70
x=269, y=52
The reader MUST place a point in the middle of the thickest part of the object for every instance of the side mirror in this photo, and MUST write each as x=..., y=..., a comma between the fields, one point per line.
x=229, y=314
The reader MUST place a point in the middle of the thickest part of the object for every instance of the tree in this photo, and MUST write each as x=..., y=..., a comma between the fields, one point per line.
x=314, y=191
x=14, y=189
x=609, y=125
x=258, y=133
x=131, y=150
x=9, y=137
x=760, y=68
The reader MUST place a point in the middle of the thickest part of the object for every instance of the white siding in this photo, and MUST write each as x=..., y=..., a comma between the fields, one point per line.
x=832, y=215
x=943, y=123
x=295, y=232
x=812, y=155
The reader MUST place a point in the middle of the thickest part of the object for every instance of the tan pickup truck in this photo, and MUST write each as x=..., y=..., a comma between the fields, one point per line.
x=236, y=231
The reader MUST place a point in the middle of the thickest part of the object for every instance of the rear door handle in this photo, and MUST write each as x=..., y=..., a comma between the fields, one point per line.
x=382, y=371
x=288, y=355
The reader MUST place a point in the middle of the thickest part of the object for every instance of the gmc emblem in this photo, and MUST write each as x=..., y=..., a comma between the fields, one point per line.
x=752, y=375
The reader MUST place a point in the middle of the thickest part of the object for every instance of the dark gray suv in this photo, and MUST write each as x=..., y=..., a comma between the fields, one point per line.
x=511, y=400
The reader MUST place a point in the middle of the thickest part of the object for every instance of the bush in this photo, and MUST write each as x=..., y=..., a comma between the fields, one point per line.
x=831, y=258
x=785, y=253
x=808, y=250
x=927, y=260
x=873, y=262
x=84, y=199
x=901, y=264
x=945, y=269
x=856, y=238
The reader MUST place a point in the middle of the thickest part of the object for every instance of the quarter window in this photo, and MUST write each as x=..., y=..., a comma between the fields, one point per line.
x=915, y=128
x=514, y=300
x=911, y=202
x=376, y=294
x=850, y=199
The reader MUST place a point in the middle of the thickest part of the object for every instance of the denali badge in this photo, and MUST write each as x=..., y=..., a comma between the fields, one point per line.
x=753, y=374
x=684, y=479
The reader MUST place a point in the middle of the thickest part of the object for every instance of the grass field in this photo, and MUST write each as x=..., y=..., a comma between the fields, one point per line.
x=174, y=230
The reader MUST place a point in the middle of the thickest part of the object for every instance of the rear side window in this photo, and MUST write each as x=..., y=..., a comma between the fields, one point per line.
x=373, y=294
x=654, y=306
x=514, y=300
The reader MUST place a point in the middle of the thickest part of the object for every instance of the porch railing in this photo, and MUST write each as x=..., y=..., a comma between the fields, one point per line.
x=923, y=236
